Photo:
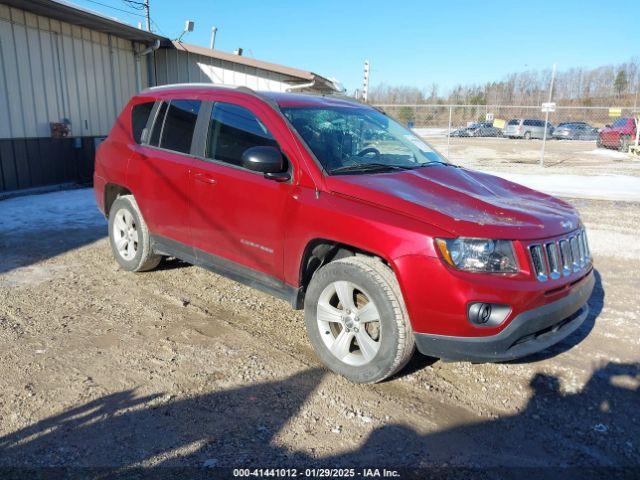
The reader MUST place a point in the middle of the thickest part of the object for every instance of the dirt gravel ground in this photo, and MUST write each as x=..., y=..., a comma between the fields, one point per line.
x=181, y=367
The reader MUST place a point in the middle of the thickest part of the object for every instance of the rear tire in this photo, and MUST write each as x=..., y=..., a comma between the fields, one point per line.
x=129, y=236
x=527, y=135
x=357, y=321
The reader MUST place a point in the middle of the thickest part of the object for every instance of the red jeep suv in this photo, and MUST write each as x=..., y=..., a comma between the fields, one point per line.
x=618, y=135
x=338, y=209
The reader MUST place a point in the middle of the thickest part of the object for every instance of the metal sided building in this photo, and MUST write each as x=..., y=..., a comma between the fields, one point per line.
x=61, y=67
x=178, y=62
x=66, y=73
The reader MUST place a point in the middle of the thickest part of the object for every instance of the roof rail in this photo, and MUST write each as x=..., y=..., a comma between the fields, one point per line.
x=193, y=85
x=239, y=88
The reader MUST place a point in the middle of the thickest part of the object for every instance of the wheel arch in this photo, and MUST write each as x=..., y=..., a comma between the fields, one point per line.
x=111, y=192
x=320, y=251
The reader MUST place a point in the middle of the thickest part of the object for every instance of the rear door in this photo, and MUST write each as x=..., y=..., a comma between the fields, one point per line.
x=160, y=172
x=237, y=214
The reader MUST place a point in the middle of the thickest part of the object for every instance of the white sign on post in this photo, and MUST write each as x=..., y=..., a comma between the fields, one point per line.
x=548, y=107
x=489, y=117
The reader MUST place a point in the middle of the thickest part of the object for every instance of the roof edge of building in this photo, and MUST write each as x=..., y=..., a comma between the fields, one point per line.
x=302, y=75
x=76, y=15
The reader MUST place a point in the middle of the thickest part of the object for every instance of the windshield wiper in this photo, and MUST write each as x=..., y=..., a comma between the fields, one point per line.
x=370, y=167
x=430, y=164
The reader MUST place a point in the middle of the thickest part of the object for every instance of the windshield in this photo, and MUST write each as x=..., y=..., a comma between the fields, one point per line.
x=356, y=139
x=621, y=122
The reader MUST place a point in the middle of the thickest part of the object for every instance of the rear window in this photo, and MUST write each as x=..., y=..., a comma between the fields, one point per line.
x=621, y=122
x=157, y=125
x=174, y=125
x=179, y=125
x=139, y=117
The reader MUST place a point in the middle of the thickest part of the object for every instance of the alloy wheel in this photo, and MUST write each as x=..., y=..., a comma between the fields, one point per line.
x=125, y=234
x=349, y=323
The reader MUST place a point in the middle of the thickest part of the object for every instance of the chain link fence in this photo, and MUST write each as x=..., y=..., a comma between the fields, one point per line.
x=456, y=129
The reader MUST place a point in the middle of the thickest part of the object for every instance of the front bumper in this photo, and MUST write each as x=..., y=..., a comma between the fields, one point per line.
x=529, y=332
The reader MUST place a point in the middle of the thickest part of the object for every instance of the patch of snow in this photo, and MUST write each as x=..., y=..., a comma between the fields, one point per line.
x=624, y=188
x=432, y=132
x=606, y=152
x=50, y=211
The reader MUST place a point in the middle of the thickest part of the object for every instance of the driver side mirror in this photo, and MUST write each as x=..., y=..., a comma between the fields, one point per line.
x=267, y=160
x=607, y=125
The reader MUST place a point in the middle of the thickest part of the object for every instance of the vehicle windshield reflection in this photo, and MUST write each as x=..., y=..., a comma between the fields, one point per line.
x=357, y=139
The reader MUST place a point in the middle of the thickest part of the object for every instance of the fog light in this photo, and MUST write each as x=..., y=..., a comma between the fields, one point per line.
x=487, y=314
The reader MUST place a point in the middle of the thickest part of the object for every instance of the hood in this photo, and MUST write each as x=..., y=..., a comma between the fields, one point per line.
x=462, y=202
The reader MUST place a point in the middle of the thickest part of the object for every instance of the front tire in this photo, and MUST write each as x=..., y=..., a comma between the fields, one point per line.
x=357, y=321
x=527, y=135
x=129, y=236
x=625, y=141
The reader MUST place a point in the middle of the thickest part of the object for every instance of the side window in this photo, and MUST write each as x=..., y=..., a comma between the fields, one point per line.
x=139, y=117
x=154, y=139
x=232, y=130
x=179, y=125
x=527, y=122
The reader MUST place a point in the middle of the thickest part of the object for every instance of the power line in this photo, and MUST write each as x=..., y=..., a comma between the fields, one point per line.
x=140, y=6
x=155, y=25
x=136, y=5
x=116, y=8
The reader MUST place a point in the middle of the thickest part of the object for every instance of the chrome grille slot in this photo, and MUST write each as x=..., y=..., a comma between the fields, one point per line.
x=586, y=244
x=583, y=254
x=575, y=253
x=539, y=266
x=565, y=252
x=560, y=257
x=553, y=260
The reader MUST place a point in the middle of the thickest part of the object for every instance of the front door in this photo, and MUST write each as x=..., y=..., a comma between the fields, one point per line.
x=235, y=213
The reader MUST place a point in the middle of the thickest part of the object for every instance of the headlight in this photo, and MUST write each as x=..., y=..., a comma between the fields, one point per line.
x=478, y=254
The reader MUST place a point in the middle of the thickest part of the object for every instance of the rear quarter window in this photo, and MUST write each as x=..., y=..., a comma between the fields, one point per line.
x=139, y=117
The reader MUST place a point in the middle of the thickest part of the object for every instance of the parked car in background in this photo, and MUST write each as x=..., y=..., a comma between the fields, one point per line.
x=460, y=132
x=482, y=129
x=526, y=128
x=386, y=245
x=575, y=131
x=620, y=134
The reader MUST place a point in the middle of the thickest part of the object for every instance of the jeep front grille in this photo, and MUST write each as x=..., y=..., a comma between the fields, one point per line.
x=560, y=257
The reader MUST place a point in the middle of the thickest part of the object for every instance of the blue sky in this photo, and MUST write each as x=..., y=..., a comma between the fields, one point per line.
x=407, y=42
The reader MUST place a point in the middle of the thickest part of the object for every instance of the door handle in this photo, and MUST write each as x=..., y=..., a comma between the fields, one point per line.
x=204, y=178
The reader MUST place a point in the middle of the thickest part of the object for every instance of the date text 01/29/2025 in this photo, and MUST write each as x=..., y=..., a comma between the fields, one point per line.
x=315, y=473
